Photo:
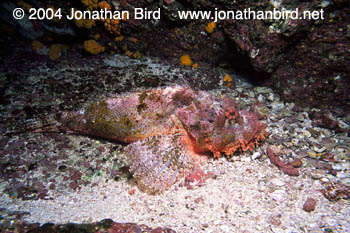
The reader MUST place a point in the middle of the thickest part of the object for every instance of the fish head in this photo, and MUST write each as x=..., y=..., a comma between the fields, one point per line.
x=219, y=126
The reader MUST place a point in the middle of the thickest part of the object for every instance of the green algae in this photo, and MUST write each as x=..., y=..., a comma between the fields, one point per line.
x=101, y=119
x=142, y=106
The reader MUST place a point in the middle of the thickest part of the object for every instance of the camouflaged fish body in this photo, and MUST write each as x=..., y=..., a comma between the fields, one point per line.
x=167, y=129
x=125, y=118
x=157, y=162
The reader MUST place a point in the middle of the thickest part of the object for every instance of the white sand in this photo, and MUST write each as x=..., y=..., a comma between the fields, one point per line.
x=246, y=196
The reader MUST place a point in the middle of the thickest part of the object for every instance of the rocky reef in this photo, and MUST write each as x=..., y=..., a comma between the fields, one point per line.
x=304, y=60
x=103, y=226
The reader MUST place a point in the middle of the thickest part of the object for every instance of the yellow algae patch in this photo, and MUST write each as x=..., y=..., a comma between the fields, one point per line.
x=133, y=39
x=228, y=80
x=137, y=55
x=210, y=27
x=55, y=51
x=97, y=36
x=186, y=60
x=128, y=53
x=119, y=39
x=37, y=45
x=90, y=4
x=93, y=47
x=112, y=25
x=85, y=23
x=104, y=5
x=100, y=118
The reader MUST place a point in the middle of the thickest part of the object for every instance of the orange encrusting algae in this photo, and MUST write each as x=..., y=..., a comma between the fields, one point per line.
x=210, y=27
x=186, y=60
x=93, y=47
x=37, y=45
x=56, y=50
x=90, y=4
x=104, y=5
x=228, y=80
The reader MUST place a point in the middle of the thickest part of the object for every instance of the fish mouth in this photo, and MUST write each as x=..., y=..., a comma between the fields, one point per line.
x=197, y=153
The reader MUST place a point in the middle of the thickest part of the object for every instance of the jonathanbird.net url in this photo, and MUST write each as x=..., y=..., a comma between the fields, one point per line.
x=248, y=14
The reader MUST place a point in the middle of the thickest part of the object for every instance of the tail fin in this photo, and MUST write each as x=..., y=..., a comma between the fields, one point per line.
x=158, y=162
x=38, y=125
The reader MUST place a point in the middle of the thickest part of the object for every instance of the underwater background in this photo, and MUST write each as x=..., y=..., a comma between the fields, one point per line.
x=145, y=120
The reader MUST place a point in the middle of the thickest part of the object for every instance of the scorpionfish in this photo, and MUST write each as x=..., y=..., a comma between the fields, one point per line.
x=167, y=129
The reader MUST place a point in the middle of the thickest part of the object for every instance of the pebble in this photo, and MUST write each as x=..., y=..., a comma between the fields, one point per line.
x=251, y=94
x=277, y=106
x=312, y=154
x=342, y=175
x=300, y=117
x=325, y=179
x=246, y=159
x=319, y=150
x=239, y=89
x=318, y=174
x=309, y=205
x=306, y=133
x=346, y=181
x=338, y=166
x=276, y=220
x=327, y=132
x=295, y=141
x=263, y=90
x=277, y=182
x=346, y=166
x=271, y=97
x=339, y=157
x=279, y=195
x=256, y=155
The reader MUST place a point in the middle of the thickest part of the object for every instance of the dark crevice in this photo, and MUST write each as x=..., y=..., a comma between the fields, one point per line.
x=241, y=65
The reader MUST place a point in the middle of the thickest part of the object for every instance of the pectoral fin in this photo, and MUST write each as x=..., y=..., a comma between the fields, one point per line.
x=157, y=162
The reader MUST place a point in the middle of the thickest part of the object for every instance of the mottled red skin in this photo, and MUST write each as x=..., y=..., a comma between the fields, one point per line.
x=196, y=178
x=211, y=124
x=169, y=129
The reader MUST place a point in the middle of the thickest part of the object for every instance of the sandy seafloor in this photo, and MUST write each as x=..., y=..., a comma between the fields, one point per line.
x=246, y=193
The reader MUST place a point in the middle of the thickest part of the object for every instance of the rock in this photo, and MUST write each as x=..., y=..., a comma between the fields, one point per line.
x=277, y=182
x=245, y=159
x=306, y=61
x=335, y=191
x=318, y=174
x=285, y=168
x=312, y=154
x=296, y=163
x=279, y=195
x=276, y=220
x=309, y=205
x=106, y=225
x=263, y=90
x=256, y=155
